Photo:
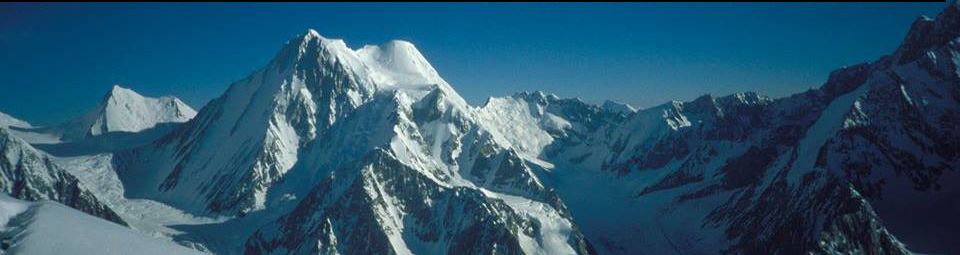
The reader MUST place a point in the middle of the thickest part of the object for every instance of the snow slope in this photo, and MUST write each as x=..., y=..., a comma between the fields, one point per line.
x=51, y=228
x=10, y=121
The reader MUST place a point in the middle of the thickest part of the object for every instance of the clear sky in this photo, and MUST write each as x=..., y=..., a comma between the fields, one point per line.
x=58, y=60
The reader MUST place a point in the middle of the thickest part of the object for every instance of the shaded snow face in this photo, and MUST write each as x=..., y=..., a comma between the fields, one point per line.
x=27, y=173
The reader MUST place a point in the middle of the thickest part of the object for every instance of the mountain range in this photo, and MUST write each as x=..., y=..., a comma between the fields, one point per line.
x=334, y=150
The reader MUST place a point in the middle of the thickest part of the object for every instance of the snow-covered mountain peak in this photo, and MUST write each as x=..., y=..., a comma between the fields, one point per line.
x=117, y=90
x=119, y=95
x=399, y=63
x=394, y=65
x=926, y=33
x=312, y=85
x=125, y=110
x=312, y=33
x=309, y=47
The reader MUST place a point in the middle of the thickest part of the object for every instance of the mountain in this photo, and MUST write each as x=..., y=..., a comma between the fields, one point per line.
x=842, y=168
x=123, y=111
x=899, y=144
x=331, y=150
x=342, y=137
x=51, y=228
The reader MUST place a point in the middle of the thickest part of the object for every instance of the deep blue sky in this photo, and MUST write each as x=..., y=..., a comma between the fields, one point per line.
x=58, y=60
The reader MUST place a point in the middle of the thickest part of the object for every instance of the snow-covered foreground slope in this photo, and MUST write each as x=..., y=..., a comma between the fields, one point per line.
x=10, y=121
x=50, y=228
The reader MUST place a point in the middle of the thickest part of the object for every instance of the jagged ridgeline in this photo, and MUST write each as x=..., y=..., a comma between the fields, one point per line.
x=334, y=150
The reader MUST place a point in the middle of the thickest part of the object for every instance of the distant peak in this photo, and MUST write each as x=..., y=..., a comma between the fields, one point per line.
x=618, y=107
x=536, y=96
x=117, y=88
x=705, y=98
x=311, y=33
x=926, y=33
x=744, y=98
x=125, y=110
x=703, y=102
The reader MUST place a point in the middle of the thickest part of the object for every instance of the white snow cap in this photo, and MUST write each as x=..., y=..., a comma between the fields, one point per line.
x=401, y=62
x=125, y=110
x=53, y=228
x=394, y=65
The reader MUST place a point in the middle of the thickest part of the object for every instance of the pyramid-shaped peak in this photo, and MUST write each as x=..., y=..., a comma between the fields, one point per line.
x=312, y=38
x=311, y=33
x=118, y=91
x=309, y=50
x=125, y=110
